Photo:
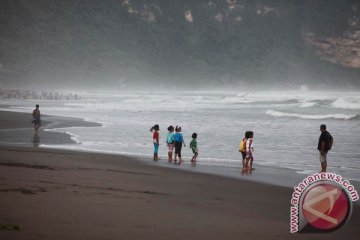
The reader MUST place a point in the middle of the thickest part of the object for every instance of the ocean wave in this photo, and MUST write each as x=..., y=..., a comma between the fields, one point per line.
x=338, y=116
x=241, y=95
x=350, y=103
x=258, y=101
x=73, y=136
x=307, y=104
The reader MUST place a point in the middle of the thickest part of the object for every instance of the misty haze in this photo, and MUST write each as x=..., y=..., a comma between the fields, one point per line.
x=104, y=73
x=192, y=45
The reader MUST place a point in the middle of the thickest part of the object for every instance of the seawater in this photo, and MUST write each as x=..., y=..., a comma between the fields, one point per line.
x=286, y=125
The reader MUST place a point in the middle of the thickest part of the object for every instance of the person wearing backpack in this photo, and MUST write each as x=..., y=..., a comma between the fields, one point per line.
x=242, y=149
x=170, y=142
x=324, y=145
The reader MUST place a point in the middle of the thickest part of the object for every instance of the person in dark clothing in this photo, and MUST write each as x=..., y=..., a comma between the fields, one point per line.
x=179, y=141
x=324, y=145
x=36, y=120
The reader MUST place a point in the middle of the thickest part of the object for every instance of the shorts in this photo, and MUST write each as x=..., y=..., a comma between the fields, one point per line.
x=323, y=157
x=178, y=146
x=195, y=151
x=36, y=122
x=249, y=155
x=243, y=155
x=170, y=147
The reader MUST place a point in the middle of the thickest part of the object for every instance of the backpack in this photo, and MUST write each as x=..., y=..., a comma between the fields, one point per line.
x=243, y=146
x=330, y=141
x=170, y=138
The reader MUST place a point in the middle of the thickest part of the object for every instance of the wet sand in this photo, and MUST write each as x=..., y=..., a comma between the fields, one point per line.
x=17, y=129
x=57, y=194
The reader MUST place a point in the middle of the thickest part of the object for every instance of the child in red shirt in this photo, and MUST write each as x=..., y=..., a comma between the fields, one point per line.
x=156, y=129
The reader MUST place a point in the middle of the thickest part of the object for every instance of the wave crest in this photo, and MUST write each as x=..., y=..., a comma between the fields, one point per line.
x=346, y=103
x=338, y=116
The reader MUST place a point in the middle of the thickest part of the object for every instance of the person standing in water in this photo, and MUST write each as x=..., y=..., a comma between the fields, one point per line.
x=156, y=130
x=242, y=149
x=249, y=150
x=170, y=142
x=324, y=145
x=179, y=141
x=193, y=146
x=36, y=119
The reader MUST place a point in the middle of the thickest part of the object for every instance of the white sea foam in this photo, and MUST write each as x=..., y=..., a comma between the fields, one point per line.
x=73, y=136
x=339, y=116
x=349, y=103
x=307, y=104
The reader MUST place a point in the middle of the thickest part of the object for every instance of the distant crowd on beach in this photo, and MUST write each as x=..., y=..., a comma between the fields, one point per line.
x=33, y=95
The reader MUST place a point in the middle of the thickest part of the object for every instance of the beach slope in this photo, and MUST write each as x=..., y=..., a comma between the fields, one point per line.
x=55, y=194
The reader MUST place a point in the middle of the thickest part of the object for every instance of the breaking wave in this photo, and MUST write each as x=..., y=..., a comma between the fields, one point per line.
x=346, y=103
x=338, y=116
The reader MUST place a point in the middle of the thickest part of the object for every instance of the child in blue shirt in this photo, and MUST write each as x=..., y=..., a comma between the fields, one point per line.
x=170, y=142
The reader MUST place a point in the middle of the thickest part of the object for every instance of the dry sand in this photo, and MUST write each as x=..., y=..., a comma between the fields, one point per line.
x=55, y=194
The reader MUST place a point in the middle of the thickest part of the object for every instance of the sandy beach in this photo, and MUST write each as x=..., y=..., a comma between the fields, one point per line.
x=58, y=194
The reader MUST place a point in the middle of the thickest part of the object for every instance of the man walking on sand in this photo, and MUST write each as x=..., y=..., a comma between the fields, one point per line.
x=36, y=119
x=324, y=145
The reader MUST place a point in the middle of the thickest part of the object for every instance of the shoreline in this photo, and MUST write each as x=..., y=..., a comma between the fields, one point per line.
x=16, y=130
x=63, y=194
x=299, y=160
